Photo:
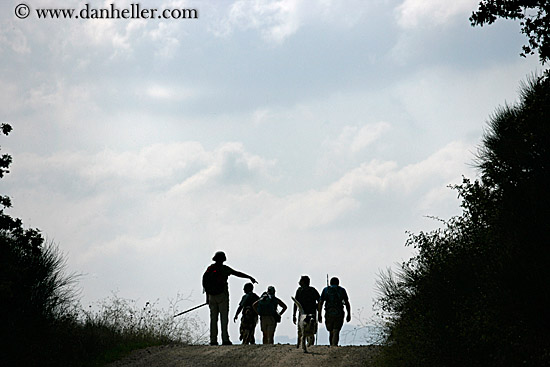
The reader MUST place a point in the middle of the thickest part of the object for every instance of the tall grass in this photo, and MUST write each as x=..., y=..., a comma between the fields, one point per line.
x=103, y=333
x=45, y=325
x=115, y=326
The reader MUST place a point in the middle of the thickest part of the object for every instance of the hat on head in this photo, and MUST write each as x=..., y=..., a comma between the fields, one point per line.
x=219, y=256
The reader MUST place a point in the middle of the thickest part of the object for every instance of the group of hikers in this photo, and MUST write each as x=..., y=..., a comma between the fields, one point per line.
x=268, y=307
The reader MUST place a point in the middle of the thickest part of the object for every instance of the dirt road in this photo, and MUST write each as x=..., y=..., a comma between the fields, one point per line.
x=250, y=355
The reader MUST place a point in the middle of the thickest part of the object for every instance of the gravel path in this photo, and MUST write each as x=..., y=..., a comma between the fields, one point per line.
x=250, y=355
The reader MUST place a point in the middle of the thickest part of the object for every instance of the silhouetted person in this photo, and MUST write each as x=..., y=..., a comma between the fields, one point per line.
x=214, y=282
x=249, y=317
x=335, y=298
x=308, y=298
x=266, y=307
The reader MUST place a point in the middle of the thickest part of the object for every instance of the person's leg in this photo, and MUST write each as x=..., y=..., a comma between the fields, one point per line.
x=272, y=331
x=252, y=340
x=299, y=339
x=214, y=311
x=224, y=316
x=328, y=323
x=334, y=337
x=336, y=324
x=263, y=329
x=314, y=336
x=268, y=324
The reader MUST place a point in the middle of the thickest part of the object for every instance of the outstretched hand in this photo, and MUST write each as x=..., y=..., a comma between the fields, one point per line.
x=253, y=280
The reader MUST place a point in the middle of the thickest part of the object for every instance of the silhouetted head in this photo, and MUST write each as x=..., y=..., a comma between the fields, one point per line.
x=334, y=281
x=219, y=257
x=304, y=281
x=271, y=290
x=248, y=287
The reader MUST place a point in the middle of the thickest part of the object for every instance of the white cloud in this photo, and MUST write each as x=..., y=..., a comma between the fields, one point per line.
x=353, y=139
x=185, y=164
x=368, y=134
x=165, y=37
x=415, y=13
x=440, y=169
x=11, y=96
x=167, y=93
x=187, y=175
x=317, y=208
x=230, y=164
x=60, y=98
x=117, y=35
x=13, y=38
x=280, y=19
x=276, y=19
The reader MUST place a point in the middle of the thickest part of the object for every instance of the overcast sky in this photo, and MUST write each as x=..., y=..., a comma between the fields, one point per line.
x=300, y=137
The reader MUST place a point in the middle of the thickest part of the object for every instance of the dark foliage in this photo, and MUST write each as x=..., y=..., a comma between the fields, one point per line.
x=476, y=294
x=43, y=323
x=534, y=16
x=36, y=293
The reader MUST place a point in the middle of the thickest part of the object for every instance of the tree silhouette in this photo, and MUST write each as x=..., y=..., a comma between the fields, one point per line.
x=476, y=293
x=36, y=294
x=534, y=16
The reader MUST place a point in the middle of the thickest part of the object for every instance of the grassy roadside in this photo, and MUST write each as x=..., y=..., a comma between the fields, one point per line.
x=101, y=334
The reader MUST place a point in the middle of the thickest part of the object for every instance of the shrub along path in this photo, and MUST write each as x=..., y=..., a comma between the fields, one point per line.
x=250, y=355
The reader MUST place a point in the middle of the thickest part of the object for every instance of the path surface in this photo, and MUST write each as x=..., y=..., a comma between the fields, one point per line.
x=250, y=355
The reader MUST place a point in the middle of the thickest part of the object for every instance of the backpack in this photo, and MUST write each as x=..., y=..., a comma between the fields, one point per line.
x=333, y=305
x=248, y=300
x=213, y=280
x=267, y=306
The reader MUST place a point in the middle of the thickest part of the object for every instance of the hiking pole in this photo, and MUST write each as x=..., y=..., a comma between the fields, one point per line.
x=191, y=309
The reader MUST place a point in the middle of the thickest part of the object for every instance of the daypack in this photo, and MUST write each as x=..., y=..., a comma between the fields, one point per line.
x=333, y=305
x=267, y=306
x=248, y=300
x=213, y=280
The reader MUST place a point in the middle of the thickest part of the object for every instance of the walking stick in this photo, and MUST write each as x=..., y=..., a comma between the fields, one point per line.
x=191, y=309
